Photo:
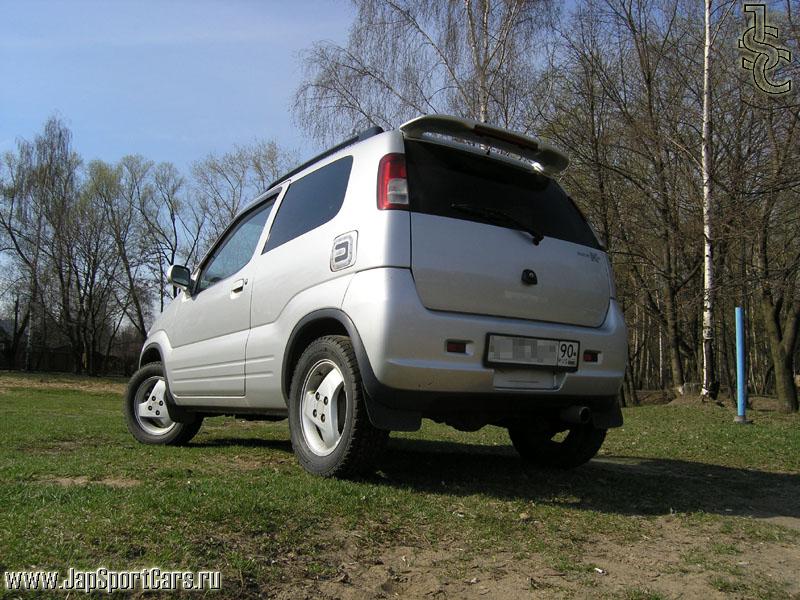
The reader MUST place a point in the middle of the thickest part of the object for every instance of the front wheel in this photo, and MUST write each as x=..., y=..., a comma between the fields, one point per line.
x=547, y=448
x=145, y=408
x=330, y=429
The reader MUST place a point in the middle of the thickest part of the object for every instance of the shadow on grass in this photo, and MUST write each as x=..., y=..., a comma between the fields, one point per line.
x=283, y=445
x=610, y=484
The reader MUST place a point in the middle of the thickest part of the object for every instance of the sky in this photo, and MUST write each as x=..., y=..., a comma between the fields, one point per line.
x=173, y=80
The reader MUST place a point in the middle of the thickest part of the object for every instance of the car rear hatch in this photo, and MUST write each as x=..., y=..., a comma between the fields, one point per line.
x=477, y=202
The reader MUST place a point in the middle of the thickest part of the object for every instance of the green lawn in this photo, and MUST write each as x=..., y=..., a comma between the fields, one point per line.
x=680, y=503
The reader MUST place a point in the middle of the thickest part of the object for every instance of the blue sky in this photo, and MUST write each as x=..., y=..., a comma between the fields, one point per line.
x=171, y=79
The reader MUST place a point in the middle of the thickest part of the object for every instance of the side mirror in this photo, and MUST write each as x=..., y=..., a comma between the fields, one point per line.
x=179, y=276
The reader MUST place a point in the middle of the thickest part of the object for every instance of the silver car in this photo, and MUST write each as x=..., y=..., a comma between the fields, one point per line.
x=436, y=271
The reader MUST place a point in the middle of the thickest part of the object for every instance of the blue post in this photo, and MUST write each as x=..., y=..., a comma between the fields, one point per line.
x=741, y=381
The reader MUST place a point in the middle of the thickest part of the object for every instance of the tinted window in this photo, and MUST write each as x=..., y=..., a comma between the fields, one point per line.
x=236, y=248
x=309, y=202
x=440, y=177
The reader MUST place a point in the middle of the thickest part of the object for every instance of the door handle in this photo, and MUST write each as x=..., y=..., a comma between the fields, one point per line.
x=238, y=286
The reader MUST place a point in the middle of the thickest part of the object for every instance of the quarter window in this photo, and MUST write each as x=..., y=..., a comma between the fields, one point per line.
x=236, y=248
x=309, y=202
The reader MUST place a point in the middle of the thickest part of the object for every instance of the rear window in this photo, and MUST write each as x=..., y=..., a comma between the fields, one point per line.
x=440, y=177
x=309, y=202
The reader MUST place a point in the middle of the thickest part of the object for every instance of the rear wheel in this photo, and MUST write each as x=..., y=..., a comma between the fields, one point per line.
x=550, y=448
x=331, y=432
x=145, y=408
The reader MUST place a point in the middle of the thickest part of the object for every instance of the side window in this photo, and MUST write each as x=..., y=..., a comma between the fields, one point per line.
x=236, y=249
x=309, y=202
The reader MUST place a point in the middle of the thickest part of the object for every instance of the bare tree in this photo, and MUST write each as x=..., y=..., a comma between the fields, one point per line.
x=710, y=384
x=173, y=226
x=224, y=184
x=647, y=106
x=268, y=161
x=403, y=58
x=708, y=243
x=22, y=221
x=776, y=217
x=78, y=266
x=119, y=190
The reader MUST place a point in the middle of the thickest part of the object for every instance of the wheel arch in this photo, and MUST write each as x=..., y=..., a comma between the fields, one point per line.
x=333, y=321
x=326, y=321
x=150, y=354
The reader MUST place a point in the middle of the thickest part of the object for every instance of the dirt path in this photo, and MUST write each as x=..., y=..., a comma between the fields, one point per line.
x=682, y=555
x=676, y=562
x=61, y=381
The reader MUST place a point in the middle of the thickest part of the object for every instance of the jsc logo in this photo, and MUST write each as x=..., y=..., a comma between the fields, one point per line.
x=761, y=54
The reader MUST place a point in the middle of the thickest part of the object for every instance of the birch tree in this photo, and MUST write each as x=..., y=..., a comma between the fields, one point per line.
x=403, y=58
x=710, y=384
x=708, y=243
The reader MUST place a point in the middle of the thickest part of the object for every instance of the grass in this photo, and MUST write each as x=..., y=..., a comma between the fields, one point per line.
x=77, y=491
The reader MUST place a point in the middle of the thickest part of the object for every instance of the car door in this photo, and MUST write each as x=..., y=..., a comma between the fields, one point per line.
x=296, y=255
x=212, y=323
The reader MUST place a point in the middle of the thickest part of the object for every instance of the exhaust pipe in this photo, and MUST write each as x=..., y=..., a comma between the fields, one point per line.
x=579, y=415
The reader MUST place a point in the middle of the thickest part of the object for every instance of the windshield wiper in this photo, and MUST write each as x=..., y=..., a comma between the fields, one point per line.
x=494, y=214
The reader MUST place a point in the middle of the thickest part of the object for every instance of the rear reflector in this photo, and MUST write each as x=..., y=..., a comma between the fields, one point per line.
x=457, y=347
x=590, y=356
x=392, y=183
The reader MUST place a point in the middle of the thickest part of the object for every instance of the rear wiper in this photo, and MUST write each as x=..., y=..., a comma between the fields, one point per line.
x=494, y=214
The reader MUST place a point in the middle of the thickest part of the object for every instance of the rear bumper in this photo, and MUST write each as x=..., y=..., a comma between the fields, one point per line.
x=405, y=365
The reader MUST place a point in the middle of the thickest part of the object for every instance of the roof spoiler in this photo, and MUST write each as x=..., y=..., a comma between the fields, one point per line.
x=551, y=160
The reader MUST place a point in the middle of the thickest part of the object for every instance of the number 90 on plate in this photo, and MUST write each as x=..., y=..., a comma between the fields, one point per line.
x=529, y=351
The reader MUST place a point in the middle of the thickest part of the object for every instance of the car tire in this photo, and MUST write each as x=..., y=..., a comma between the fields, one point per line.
x=580, y=445
x=332, y=435
x=145, y=409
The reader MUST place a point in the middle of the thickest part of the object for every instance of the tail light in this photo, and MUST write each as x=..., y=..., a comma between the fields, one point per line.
x=456, y=347
x=392, y=183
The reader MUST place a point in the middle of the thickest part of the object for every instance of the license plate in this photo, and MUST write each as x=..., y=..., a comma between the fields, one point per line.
x=514, y=350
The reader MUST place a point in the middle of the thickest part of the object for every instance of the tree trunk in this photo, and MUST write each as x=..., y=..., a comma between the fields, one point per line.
x=673, y=341
x=629, y=390
x=781, y=348
x=29, y=340
x=784, y=381
x=709, y=384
